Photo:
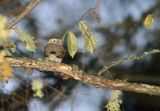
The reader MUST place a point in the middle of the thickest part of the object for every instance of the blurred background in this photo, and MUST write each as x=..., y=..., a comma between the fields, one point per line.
x=121, y=33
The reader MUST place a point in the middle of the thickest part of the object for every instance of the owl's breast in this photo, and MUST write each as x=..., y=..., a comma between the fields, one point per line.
x=54, y=49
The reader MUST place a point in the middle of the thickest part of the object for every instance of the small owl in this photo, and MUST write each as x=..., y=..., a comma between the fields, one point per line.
x=54, y=50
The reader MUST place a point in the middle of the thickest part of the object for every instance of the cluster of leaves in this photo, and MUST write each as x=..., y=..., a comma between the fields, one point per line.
x=5, y=69
x=24, y=37
x=115, y=101
x=37, y=86
x=89, y=39
x=9, y=47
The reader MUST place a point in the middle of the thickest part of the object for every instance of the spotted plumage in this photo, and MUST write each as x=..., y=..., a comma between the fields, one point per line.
x=54, y=50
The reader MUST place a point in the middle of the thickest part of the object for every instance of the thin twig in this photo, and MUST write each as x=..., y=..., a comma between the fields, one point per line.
x=73, y=72
x=130, y=58
x=97, y=4
x=27, y=10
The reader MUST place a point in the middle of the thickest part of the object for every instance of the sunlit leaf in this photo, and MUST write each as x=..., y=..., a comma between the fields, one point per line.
x=115, y=101
x=39, y=94
x=5, y=53
x=27, y=39
x=89, y=39
x=5, y=71
x=37, y=86
x=83, y=26
x=72, y=44
x=90, y=43
x=4, y=33
x=148, y=22
x=3, y=20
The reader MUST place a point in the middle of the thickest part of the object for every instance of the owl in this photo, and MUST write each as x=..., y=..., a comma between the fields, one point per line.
x=54, y=51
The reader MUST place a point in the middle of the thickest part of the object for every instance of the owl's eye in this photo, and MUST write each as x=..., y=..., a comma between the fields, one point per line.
x=54, y=40
x=59, y=41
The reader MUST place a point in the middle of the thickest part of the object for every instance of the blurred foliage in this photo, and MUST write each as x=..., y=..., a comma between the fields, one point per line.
x=4, y=33
x=5, y=71
x=37, y=86
x=27, y=39
x=115, y=101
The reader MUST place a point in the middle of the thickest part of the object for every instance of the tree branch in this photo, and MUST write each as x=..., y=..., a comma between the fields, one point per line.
x=77, y=74
x=130, y=58
x=27, y=10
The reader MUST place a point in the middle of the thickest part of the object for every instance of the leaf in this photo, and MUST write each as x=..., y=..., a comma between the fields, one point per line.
x=89, y=39
x=90, y=43
x=4, y=33
x=3, y=20
x=37, y=86
x=27, y=39
x=72, y=44
x=83, y=27
x=5, y=53
x=39, y=94
x=115, y=101
x=5, y=71
x=148, y=22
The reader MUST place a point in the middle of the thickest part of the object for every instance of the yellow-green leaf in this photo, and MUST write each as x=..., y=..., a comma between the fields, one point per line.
x=90, y=42
x=4, y=53
x=148, y=22
x=4, y=33
x=37, y=86
x=115, y=101
x=27, y=39
x=83, y=27
x=39, y=94
x=72, y=44
x=89, y=39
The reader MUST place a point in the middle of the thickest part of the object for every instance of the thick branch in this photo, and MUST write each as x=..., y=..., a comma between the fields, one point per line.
x=27, y=10
x=73, y=72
